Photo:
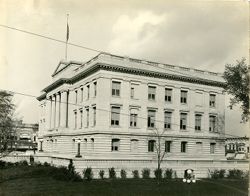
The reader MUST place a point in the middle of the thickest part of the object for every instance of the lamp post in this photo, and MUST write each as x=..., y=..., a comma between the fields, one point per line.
x=78, y=155
x=41, y=145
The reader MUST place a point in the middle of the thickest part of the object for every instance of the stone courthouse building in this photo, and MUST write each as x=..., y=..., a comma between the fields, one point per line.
x=109, y=108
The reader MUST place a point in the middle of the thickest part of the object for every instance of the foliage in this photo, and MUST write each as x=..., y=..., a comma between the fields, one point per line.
x=112, y=173
x=158, y=173
x=168, y=174
x=235, y=174
x=217, y=173
x=237, y=85
x=135, y=174
x=88, y=174
x=46, y=164
x=146, y=173
x=7, y=122
x=123, y=174
x=101, y=174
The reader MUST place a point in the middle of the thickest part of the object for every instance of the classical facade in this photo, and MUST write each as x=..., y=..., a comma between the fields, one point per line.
x=114, y=108
x=237, y=147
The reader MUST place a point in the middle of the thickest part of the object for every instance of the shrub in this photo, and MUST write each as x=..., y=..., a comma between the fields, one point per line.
x=135, y=174
x=146, y=173
x=168, y=174
x=217, y=174
x=123, y=174
x=235, y=174
x=88, y=174
x=2, y=164
x=23, y=163
x=101, y=174
x=112, y=173
x=158, y=173
x=46, y=164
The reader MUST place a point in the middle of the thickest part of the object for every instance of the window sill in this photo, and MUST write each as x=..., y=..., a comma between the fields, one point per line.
x=134, y=128
x=151, y=128
x=114, y=96
x=115, y=126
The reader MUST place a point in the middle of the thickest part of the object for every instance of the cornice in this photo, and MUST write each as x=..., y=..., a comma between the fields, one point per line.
x=130, y=70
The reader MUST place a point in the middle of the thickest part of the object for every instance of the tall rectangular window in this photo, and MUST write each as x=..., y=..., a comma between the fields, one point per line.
x=95, y=89
x=115, y=144
x=87, y=117
x=133, y=117
x=151, y=93
x=76, y=96
x=183, y=96
x=94, y=116
x=132, y=92
x=212, y=123
x=168, y=146
x=81, y=116
x=151, y=145
x=151, y=118
x=116, y=88
x=92, y=143
x=81, y=94
x=183, y=121
x=75, y=115
x=212, y=98
x=87, y=91
x=197, y=122
x=212, y=148
x=115, y=116
x=167, y=120
x=183, y=146
x=168, y=95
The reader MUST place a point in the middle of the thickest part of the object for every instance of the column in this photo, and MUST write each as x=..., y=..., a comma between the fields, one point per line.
x=63, y=109
x=57, y=110
x=55, y=105
x=52, y=119
x=50, y=112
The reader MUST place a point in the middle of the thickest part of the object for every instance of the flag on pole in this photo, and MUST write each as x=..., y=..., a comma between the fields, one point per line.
x=67, y=35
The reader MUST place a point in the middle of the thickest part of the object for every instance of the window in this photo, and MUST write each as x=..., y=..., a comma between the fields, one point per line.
x=85, y=144
x=133, y=117
x=81, y=94
x=95, y=89
x=183, y=146
x=81, y=116
x=151, y=92
x=212, y=123
x=116, y=88
x=115, y=116
x=167, y=120
x=75, y=113
x=87, y=117
x=212, y=148
x=184, y=97
x=151, y=145
x=132, y=92
x=168, y=95
x=212, y=100
x=76, y=97
x=134, y=145
x=94, y=116
x=151, y=119
x=199, y=147
x=183, y=121
x=197, y=122
x=92, y=143
x=88, y=92
x=168, y=146
x=115, y=144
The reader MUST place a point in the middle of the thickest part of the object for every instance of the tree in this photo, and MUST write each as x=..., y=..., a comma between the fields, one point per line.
x=237, y=85
x=7, y=122
x=160, y=152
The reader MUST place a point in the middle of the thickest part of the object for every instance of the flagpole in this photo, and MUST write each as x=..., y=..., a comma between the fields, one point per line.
x=67, y=38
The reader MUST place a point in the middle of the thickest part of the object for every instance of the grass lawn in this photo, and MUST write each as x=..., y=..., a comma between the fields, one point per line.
x=20, y=181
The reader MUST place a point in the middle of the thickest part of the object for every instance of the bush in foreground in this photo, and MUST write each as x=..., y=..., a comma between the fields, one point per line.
x=168, y=174
x=101, y=174
x=235, y=174
x=135, y=174
x=158, y=173
x=88, y=174
x=217, y=173
x=123, y=174
x=112, y=173
x=146, y=173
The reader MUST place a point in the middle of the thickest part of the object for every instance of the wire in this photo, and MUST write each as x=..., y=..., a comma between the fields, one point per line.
x=124, y=114
x=49, y=38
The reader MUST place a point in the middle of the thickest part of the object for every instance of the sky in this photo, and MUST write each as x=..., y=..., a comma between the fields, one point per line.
x=201, y=34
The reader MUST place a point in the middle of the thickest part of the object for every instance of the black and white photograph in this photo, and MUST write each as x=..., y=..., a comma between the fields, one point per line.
x=115, y=97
